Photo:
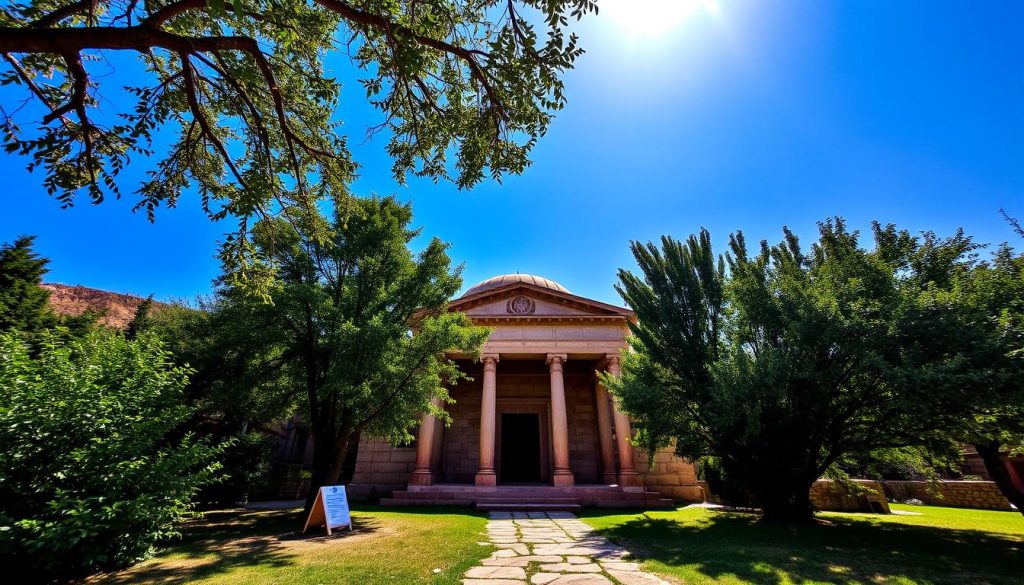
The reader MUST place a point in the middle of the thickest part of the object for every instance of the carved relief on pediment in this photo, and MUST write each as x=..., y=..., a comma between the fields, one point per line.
x=520, y=305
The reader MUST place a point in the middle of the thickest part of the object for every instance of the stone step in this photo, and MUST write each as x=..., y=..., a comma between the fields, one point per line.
x=425, y=502
x=516, y=488
x=530, y=500
x=469, y=495
x=520, y=507
x=659, y=503
x=406, y=495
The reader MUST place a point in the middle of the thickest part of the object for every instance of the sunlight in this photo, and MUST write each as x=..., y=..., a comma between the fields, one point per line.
x=653, y=18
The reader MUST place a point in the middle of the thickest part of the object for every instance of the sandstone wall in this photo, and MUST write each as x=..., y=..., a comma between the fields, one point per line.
x=523, y=387
x=380, y=469
x=671, y=476
x=828, y=495
x=982, y=495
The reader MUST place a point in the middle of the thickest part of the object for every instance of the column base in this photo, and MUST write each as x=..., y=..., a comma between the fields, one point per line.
x=563, y=479
x=487, y=478
x=421, y=478
x=630, y=479
x=610, y=478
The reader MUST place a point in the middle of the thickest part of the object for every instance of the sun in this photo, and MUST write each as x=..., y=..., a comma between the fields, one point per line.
x=652, y=18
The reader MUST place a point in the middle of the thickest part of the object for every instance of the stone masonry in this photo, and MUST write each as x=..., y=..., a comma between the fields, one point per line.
x=982, y=495
x=553, y=548
x=836, y=497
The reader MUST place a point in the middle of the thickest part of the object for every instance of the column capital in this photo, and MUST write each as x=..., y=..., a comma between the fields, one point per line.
x=555, y=359
x=490, y=360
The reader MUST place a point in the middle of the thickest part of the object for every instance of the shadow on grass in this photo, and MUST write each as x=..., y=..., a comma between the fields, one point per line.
x=839, y=551
x=221, y=541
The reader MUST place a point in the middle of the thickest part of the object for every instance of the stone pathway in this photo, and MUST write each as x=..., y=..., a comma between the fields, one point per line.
x=553, y=548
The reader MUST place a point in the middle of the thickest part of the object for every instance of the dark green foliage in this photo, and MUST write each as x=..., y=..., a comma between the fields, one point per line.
x=991, y=299
x=92, y=472
x=228, y=393
x=23, y=303
x=356, y=329
x=244, y=466
x=465, y=89
x=791, y=363
x=141, y=320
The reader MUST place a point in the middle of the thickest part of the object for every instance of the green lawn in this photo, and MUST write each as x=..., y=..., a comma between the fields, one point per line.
x=939, y=546
x=693, y=546
x=388, y=545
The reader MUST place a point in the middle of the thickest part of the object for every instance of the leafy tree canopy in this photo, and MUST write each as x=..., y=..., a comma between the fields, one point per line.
x=991, y=299
x=242, y=88
x=356, y=331
x=776, y=369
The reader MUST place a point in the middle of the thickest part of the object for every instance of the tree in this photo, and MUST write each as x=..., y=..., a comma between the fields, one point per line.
x=991, y=296
x=770, y=373
x=233, y=391
x=141, y=319
x=24, y=305
x=92, y=471
x=357, y=327
x=244, y=89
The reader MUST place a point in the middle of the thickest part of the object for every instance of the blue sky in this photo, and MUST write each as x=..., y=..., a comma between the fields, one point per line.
x=740, y=114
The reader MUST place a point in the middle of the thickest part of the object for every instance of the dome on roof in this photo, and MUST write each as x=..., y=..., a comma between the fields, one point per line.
x=505, y=279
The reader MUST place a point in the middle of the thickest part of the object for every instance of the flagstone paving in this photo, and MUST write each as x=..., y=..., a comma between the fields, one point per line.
x=553, y=548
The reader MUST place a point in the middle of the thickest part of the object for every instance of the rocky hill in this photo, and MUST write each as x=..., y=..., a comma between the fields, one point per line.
x=118, y=308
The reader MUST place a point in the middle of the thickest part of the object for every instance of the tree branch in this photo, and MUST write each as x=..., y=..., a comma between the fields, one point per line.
x=35, y=89
x=191, y=94
x=54, y=18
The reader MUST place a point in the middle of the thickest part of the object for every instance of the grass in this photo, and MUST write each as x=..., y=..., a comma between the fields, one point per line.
x=388, y=546
x=936, y=546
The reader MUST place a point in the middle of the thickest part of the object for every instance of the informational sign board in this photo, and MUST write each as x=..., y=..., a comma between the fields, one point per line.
x=330, y=509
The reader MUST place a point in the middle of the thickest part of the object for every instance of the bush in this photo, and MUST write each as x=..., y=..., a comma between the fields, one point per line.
x=91, y=470
x=245, y=466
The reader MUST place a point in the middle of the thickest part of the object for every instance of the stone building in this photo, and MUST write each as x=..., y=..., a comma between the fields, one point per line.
x=533, y=424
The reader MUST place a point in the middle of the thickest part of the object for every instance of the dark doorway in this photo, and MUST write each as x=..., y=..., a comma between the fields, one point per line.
x=520, y=448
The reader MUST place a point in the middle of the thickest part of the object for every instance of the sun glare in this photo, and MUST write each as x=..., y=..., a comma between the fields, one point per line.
x=651, y=18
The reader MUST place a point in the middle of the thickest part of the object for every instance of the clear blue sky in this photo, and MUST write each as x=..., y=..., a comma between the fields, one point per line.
x=740, y=114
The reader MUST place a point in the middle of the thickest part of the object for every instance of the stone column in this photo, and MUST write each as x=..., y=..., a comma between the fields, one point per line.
x=559, y=421
x=422, y=474
x=604, y=434
x=628, y=477
x=485, y=474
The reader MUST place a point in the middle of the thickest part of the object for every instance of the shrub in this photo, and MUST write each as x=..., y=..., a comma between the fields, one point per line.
x=245, y=467
x=92, y=472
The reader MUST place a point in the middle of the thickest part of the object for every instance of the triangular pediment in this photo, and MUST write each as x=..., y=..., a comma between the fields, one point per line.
x=521, y=300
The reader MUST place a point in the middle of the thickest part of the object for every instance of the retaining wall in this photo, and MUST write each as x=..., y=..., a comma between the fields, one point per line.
x=981, y=495
x=831, y=496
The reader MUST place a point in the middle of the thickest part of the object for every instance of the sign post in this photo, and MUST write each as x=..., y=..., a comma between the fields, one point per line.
x=330, y=509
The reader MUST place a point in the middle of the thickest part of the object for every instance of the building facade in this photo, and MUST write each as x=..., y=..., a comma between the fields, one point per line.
x=532, y=415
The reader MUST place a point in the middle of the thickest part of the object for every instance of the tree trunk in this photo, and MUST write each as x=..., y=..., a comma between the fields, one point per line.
x=989, y=452
x=323, y=451
x=787, y=505
x=340, y=453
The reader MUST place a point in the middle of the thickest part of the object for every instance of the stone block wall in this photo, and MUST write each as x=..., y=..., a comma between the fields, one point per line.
x=828, y=495
x=461, y=440
x=584, y=448
x=523, y=382
x=671, y=475
x=380, y=469
x=981, y=495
